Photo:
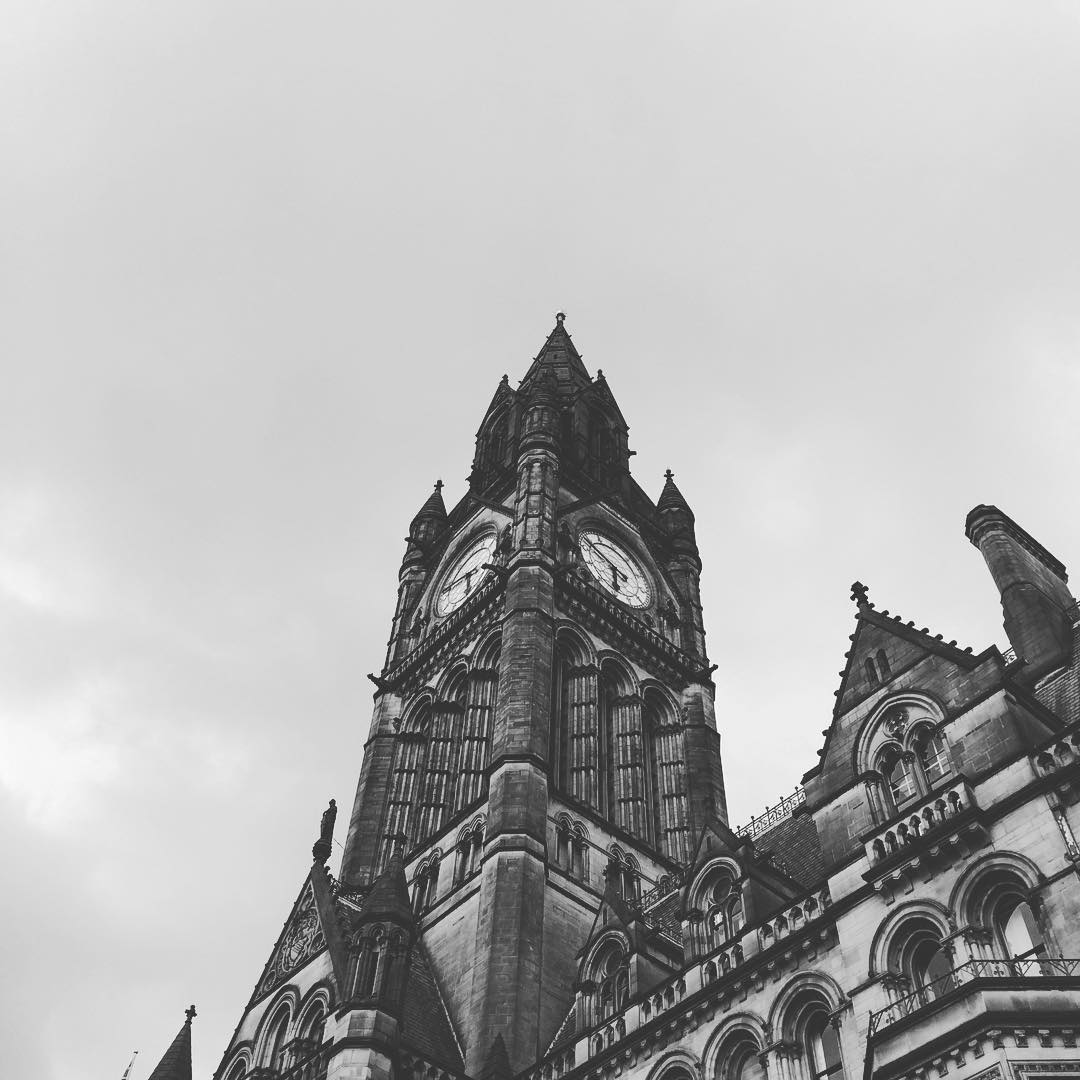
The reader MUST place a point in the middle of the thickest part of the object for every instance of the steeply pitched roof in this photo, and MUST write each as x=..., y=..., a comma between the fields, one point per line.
x=175, y=1063
x=425, y=1022
x=877, y=630
x=389, y=896
x=671, y=498
x=558, y=359
x=794, y=846
x=434, y=506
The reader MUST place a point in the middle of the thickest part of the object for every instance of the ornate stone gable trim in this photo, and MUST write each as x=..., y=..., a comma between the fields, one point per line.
x=301, y=940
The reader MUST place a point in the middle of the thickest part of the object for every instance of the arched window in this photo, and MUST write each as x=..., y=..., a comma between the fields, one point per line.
x=441, y=772
x=918, y=954
x=898, y=771
x=470, y=847
x=904, y=744
x=670, y=812
x=625, y=873
x=623, y=753
x=739, y=1058
x=274, y=1051
x=576, y=752
x=572, y=847
x=610, y=979
x=1019, y=933
x=476, y=733
x=821, y=1045
x=410, y=754
x=426, y=885
x=724, y=917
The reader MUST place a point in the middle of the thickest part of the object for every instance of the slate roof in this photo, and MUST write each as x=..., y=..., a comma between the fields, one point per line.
x=425, y=1023
x=794, y=846
x=175, y=1063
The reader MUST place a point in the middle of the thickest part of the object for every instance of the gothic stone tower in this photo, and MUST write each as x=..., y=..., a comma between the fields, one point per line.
x=544, y=720
x=540, y=881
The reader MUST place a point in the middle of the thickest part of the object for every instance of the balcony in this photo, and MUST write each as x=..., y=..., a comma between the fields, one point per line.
x=971, y=1005
x=932, y=833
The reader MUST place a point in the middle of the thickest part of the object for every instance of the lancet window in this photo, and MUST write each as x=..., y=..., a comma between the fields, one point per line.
x=919, y=955
x=471, y=784
x=572, y=847
x=405, y=780
x=626, y=796
x=426, y=885
x=671, y=816
x=440, y=777
x=623, y=870
x=716, y=909
x=608, y=977
x=577, y=752
x=470, y=847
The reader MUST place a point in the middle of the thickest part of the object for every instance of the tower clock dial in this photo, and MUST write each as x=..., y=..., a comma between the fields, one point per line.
x=615, y=569
x=463, y=576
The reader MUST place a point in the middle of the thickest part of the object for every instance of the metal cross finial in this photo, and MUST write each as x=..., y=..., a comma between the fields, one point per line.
x=190, y=1013
x=669, y=475
x=559, y=316
x=438, y=485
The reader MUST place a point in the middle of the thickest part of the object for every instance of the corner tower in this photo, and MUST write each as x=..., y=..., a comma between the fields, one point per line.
x=544, y=728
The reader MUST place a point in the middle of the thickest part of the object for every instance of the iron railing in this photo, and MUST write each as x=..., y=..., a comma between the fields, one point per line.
x=773, y=815
x=972, y=971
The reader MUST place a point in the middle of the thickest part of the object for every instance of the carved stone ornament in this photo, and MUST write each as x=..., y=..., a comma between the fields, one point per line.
x=303, y=939
x=895, y=722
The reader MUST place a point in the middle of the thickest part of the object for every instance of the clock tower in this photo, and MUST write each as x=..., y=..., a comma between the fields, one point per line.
x=544, y=741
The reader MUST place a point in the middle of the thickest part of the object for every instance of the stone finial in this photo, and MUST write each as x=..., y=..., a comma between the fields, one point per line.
x=560, y=317
x=859, y=594
x=668, y=474
x=190, y=1013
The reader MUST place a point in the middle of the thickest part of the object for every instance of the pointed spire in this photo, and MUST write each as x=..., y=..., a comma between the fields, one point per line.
x=175, y=1064
x=389, y=896
x=559, y=357
x=497, y=1063
x=671, y=498
x=434, y=507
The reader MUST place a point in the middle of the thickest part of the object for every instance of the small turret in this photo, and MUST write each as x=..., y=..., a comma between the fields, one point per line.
x=383, y=942
x=685, y=563
x=175, y=1063
x=1035, y=596
x=430, y=520
x=677, y=517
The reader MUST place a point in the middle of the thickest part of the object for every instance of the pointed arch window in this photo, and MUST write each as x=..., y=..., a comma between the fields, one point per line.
x=1020, y=935
x=483, y=689
x=898, y=770
x=470, y=847
x=670, y=812
x=609, y=977
x=410, y=754
x=623, y=752
x=572, y=847
x=426, y=886
x=442, y=766
x=576, y=753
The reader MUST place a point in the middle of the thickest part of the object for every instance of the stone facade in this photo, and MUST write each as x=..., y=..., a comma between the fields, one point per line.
x=540, y=880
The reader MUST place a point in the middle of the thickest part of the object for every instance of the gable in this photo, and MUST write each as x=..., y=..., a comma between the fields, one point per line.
x=310, y=929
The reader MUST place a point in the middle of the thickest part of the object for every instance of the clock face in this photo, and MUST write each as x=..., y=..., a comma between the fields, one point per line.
x=464, y=575
x=615, y=569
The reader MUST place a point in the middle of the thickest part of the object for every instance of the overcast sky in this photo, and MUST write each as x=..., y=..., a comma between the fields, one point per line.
x=262, y=266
